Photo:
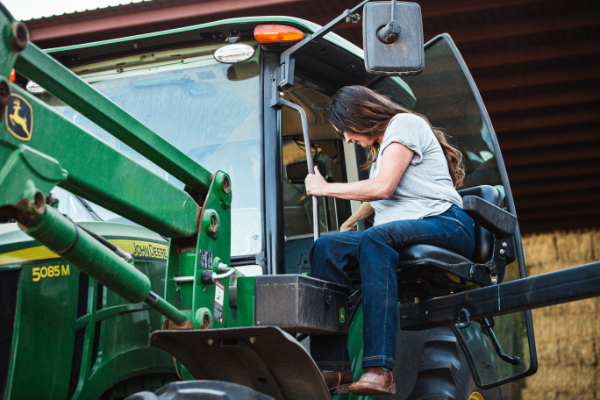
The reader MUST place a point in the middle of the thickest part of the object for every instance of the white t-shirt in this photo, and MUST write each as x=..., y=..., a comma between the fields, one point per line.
x=426, y=188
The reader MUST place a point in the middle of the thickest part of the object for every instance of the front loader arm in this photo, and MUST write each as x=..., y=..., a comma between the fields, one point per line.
x=41, y=149
x=90, y=169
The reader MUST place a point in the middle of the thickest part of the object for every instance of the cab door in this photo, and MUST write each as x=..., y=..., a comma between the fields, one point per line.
x=447, y=95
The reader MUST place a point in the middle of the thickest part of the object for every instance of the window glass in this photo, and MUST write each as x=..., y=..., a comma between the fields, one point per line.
x=72, y=206
x=446, y=99
x=298, y=217
x=208, y=110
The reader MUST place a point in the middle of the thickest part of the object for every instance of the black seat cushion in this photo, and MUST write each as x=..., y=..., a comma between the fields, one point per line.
x=424, y=253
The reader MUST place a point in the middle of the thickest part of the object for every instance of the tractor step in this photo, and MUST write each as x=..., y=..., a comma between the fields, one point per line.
x=301, y=304
x=265, y=359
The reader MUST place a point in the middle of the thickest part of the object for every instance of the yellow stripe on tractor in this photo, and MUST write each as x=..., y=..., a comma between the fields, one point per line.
x=137, y=248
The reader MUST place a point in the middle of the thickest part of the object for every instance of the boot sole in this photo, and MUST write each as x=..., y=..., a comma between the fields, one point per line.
x=341, y=389
x=373, y=391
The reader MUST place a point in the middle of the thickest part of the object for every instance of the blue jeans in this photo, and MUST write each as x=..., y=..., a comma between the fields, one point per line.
x=375, y=252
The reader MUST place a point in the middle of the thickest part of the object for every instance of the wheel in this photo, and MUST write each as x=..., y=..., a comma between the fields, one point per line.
x=201, y=390
x=444, y=373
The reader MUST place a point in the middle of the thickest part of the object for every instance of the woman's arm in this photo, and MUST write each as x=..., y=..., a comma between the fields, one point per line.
x=395, y=159
x=365, y=211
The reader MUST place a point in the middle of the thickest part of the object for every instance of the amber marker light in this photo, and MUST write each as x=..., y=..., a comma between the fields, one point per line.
x=13, y=75
x=277, y=34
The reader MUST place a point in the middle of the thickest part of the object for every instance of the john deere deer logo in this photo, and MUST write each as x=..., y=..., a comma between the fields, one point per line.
x=19, y=118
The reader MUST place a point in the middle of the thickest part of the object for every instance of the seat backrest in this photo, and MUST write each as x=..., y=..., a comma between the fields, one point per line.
x=484, y=240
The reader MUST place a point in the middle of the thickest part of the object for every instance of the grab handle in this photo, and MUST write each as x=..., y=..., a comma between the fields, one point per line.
x=309, y=159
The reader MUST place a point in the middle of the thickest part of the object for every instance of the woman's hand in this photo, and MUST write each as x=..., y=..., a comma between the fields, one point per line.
x=365, y=211
x=348, y=226
x=315, y=184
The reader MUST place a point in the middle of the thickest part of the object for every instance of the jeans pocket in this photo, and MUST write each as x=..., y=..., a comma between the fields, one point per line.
x=461, y=219
x=450, y=214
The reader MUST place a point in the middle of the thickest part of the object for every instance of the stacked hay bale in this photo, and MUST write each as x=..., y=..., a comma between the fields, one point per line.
x=567, y=335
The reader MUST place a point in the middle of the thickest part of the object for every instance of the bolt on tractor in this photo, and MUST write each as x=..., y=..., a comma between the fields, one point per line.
x=156, y=228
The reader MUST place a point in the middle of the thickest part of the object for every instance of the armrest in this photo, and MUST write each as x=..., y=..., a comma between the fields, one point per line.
x=492, y=218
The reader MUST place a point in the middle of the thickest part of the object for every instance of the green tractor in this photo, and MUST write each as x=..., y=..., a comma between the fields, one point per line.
x=164, y=172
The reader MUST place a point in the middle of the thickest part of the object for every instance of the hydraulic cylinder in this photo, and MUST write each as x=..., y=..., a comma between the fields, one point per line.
x=64, y=237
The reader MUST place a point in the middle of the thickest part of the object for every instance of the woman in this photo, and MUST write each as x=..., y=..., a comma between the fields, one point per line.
x=411, y=191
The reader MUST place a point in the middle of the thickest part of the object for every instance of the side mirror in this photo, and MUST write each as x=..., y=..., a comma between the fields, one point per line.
x=393, y=41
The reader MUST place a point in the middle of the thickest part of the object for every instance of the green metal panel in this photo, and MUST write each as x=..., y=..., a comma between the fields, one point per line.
x=194, y=295
x=214, y=237
x=46, y=324
x=245, y=302
x=101, y=174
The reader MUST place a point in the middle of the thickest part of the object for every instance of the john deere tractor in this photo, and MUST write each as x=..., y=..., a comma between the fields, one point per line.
x=157, y=229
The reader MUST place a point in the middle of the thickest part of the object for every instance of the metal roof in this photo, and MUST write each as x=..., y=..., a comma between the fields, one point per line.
x=535, y=63
x=87, y=11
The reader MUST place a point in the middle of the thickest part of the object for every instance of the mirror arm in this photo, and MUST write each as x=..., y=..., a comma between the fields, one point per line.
x=287, y=69
x=389, y=33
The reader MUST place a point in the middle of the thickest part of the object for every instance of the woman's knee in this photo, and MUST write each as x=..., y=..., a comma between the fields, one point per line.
x=321, y=253
x=377, y=237
x=320, y=248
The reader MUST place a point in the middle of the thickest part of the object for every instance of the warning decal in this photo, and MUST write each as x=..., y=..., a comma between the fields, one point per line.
x=219, y=301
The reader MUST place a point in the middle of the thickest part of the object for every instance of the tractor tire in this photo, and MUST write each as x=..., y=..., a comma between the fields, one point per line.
x=201, y=390
x=444, y=373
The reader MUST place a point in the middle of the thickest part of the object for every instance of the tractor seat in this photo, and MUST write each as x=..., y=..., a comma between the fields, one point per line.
x=428, y=271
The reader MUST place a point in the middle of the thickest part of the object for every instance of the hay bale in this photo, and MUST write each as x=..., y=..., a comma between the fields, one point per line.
x=547, y=350
x=563, y=378
x=578, y=351
x=539, y=249
x=528, y=394
x=574, y=248
x=579, y=395
x=595, y=237
x=572, y=311
x=549, y=327
x=567, y=335
x=597, y=350
x=531, y=394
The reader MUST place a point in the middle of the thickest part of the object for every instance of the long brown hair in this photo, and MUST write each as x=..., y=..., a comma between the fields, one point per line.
x=360, y=110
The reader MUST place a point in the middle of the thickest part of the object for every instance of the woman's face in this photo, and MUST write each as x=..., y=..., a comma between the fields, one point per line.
x=361, y=140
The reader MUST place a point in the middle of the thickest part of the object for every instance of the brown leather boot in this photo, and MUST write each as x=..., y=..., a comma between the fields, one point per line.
x=337, y=382
x=374, y=381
